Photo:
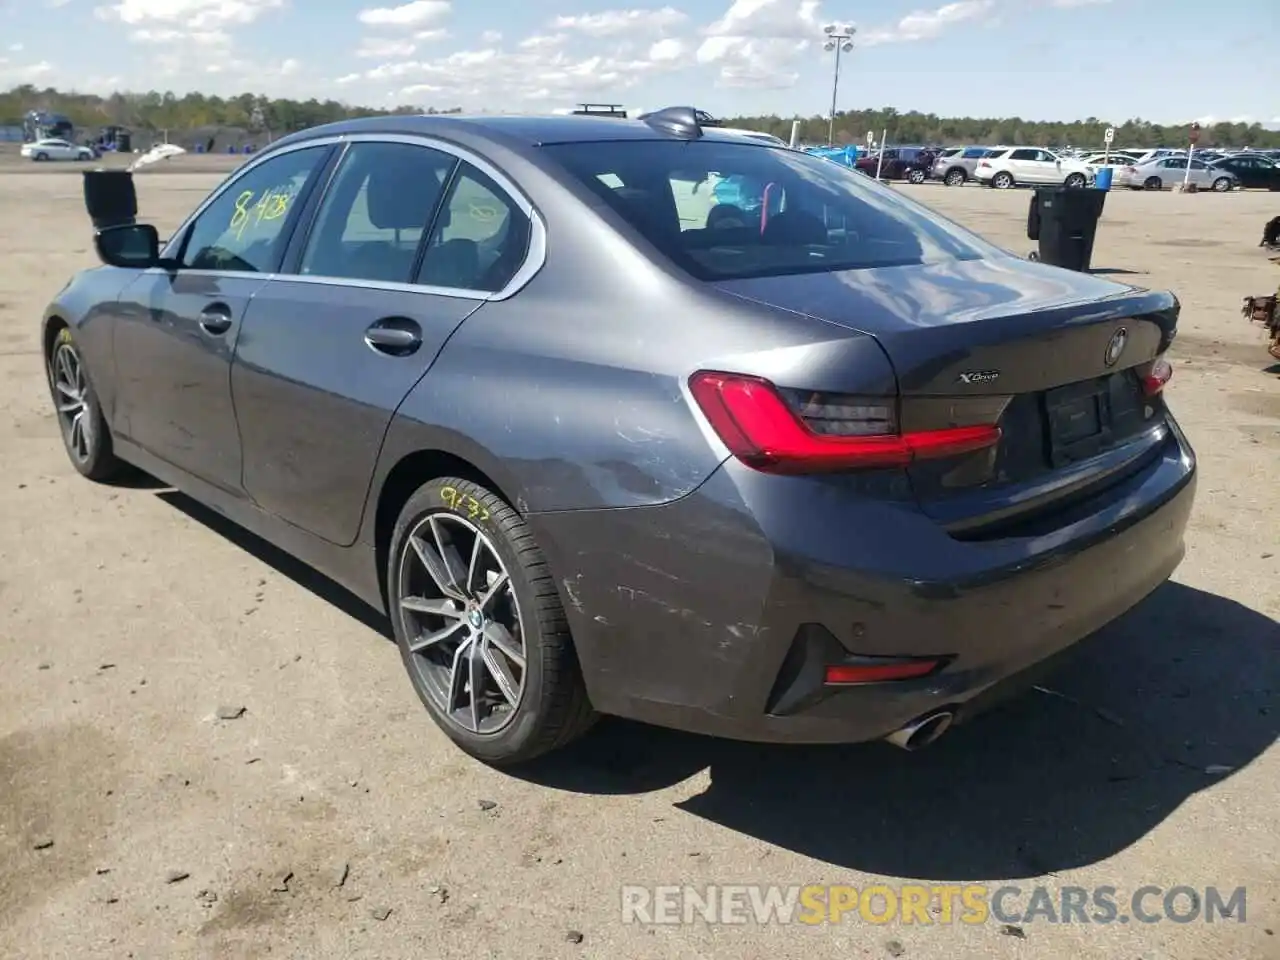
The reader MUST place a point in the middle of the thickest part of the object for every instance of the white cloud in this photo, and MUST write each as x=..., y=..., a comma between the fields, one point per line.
x=15, y=48
x=417, y=13
x=537, y=74
x=17, y=73
x=668, y=50
x=426, y=36
x=612, y=23
x=348, y=78
x=542, y=41
x=1077, y=3
x=491, y=36
x=168, y=35
x=757, y=42
x=925, y=25
x=380, y=48
x=190, y=14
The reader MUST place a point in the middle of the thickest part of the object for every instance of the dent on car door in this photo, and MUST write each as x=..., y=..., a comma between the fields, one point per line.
x=178, y=327
x=407, y=243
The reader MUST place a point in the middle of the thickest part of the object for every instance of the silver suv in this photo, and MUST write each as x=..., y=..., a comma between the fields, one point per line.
x=956, y=165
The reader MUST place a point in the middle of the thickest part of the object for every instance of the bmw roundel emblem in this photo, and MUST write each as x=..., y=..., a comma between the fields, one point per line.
x=1116, y=346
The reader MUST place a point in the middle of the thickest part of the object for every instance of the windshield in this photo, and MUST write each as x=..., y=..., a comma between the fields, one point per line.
x=725, y=210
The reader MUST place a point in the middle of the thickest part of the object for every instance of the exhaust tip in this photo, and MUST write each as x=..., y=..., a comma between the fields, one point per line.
x=920, y=733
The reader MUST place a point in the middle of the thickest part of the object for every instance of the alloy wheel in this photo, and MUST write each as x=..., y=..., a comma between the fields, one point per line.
x=462, y=621
x=71, y=394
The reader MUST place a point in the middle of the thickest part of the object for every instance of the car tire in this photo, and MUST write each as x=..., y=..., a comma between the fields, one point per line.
x=490, y=603
x=41, y=157
x=1222, y=185
x=955, y=178
x=1075, y=181
x=1153, y=183
x=916, y=177
x=85, y=434
x=1002, y=180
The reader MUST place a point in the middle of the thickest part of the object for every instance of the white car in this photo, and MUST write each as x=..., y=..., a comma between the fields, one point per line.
x=1031, y=166
x=53, y=149
x=1167, y=172
x=768, y=138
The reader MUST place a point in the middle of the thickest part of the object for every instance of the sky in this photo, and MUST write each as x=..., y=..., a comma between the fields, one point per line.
x=1169, y=62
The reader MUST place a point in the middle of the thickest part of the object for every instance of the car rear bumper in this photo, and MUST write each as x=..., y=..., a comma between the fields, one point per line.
x=718, y=613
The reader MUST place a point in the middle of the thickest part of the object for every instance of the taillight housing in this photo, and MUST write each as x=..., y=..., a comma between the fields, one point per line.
x=794, y=431
x=1155, y=375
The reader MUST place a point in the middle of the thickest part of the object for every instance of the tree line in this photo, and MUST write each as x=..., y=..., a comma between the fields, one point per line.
x=153, y=112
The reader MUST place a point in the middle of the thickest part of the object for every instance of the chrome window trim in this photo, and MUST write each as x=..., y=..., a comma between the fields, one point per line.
x=535, y=256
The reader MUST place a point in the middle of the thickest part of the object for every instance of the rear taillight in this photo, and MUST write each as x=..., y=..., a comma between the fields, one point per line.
x=1155, y=375
x=819, y=432
x=983, y=163
x=1130, y=169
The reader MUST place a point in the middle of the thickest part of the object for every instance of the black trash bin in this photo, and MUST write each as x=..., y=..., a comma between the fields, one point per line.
x=1064, y=221
x=110, y=197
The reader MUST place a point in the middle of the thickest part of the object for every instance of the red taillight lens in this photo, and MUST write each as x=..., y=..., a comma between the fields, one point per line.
x=983, y=163
x=754, y=421
x=879, y=672
x=1157, y=374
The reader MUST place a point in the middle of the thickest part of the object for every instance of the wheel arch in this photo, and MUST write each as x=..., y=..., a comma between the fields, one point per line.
x=406, y=475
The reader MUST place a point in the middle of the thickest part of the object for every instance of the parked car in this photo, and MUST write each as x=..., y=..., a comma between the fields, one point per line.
x=55, y=149
x=1165, y=172
x=621, y=472
x=1112, y=160
x=956, y=167
x=1251, y=170
x=1031, y=166
x=897, y=162
x=768, y=138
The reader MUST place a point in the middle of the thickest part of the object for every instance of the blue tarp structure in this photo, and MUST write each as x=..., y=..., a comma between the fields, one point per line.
x=848, y=156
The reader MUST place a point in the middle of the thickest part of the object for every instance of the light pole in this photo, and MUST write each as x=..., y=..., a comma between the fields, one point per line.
x=840, y=39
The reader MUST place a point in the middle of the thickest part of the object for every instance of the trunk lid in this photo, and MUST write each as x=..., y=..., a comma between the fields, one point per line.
x=1052, y=356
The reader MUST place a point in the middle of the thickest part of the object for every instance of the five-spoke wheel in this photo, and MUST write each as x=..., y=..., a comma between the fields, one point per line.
x=480, y=626
x=80, y=418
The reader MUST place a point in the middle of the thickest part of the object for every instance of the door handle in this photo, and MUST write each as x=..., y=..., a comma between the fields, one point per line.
x=394, y=336
x=215, y=319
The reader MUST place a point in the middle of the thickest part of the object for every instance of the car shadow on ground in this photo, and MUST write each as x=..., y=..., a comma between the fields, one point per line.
x=1168, y=700
x=304, y=576
x=1145, y=714
x=1116, y=272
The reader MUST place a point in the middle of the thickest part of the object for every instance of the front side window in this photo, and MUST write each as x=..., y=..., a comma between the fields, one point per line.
x=375, y=212
x=1024, y=155
x=243, y=230
x=481, y=236
x=766, y=213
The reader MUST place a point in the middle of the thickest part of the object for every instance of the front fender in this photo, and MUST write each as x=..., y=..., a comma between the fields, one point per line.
x=88, y=304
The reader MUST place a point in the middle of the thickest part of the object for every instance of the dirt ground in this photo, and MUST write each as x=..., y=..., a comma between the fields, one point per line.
x=135, y=823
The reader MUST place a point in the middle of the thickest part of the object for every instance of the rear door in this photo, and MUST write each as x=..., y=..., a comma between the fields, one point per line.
x=407, y=242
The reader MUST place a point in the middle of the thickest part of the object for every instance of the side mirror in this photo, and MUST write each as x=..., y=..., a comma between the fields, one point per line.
x=133, y=246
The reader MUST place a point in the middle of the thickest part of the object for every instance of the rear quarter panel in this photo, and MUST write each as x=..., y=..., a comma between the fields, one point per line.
x=572, y=394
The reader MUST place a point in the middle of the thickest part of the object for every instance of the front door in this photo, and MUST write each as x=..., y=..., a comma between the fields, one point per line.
x=407, y=243
x=178, y=327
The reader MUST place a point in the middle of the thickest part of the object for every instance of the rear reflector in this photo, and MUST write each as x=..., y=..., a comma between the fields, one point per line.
x=753, y=420
x=879, y=672
x=1156, y=376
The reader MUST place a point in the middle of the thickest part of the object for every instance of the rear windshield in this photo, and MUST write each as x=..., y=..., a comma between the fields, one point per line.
x=729, y=210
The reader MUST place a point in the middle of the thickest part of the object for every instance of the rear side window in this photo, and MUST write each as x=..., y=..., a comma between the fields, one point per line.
x=722, y=210
x=975, y=153
x=376, y=210
x=480, y=238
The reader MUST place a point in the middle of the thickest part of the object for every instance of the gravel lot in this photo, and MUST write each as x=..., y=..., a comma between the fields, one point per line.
x=135, y=822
